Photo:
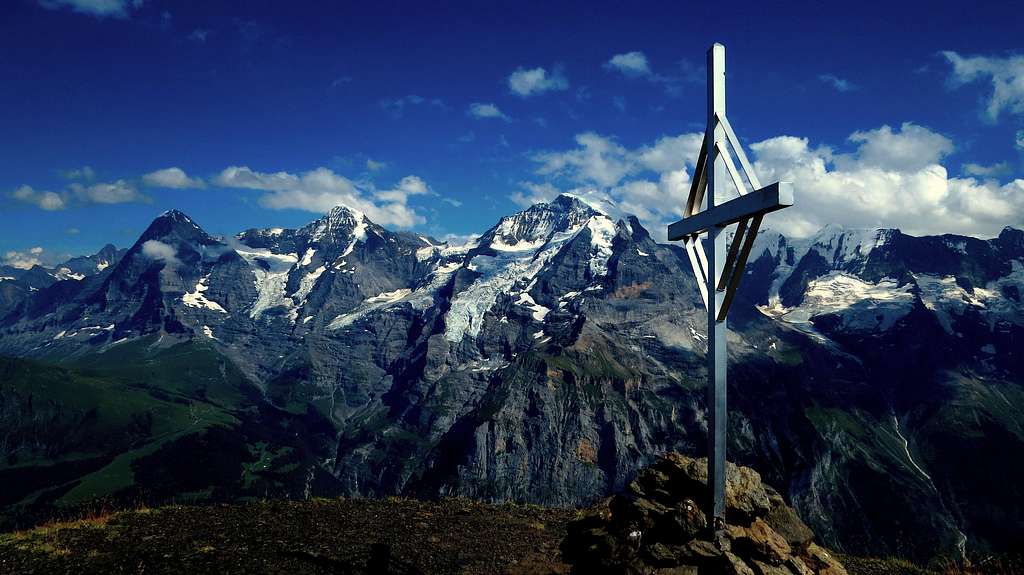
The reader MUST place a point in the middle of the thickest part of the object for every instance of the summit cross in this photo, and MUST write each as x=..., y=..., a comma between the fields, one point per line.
x=718, y=268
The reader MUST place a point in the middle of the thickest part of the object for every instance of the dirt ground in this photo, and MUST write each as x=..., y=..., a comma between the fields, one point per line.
x=320, y=536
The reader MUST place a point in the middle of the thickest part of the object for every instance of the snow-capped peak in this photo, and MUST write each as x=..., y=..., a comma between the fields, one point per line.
x=534, y=226
x=841, y=245
x=341, y=221
x=177, y=216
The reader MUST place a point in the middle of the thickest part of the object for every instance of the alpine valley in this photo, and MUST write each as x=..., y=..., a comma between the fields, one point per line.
x=875, y=377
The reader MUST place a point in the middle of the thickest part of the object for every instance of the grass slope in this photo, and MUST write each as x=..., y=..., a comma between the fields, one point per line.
x=73, y=432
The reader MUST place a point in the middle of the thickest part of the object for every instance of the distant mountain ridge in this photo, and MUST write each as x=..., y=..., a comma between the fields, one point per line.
x=561, y=351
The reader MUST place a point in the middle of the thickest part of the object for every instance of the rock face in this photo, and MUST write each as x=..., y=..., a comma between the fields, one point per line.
x=658, y=526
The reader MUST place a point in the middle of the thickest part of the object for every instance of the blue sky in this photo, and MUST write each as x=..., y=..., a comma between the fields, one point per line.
x=441, y=120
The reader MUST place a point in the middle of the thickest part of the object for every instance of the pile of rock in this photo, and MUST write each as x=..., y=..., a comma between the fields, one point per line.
x=658, y=527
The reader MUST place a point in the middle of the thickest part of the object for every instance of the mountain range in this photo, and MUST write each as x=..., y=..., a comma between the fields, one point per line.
x=875, y=377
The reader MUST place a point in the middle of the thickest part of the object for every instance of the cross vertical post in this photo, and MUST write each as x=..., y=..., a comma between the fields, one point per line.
x=718, y=270
x=715, y=244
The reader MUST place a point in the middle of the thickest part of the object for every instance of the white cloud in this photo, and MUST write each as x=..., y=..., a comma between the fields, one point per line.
x=163, y=252
x=633, y=64
x=98, y=8
x=407, y=186
x=119, y=192
x=49, y=201
x=1020, y=139
x=160, y=251
x=840, y=84
x=174, y=178
x=892, y=178
x=1005, y=74
x=525, y=82
x=35, y=256
x=321, y=189
x=913, y=147
x=483, y=111
x=375, y=166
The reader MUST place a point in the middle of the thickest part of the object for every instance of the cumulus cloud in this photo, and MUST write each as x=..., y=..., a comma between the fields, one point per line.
x=1020, y=139
x=1005, y=74
x=24, y=260
x=375, y=166
x=840, y=84
x=321, y=189
x=911, y=148
x=49, y=201
x=482, y=111
x=98, y=8
x=633, y=64
x=890, y=178
x=869, y=188
x=174, y=178
x=525, y=82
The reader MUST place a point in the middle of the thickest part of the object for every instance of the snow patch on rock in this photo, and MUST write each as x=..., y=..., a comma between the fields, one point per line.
x=198, y=300
x=861, y=306
x=271, y=278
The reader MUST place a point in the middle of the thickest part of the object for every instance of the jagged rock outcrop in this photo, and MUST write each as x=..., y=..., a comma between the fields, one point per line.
x=658, y=526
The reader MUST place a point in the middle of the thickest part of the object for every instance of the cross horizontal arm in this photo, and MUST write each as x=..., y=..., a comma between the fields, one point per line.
x=759, y=202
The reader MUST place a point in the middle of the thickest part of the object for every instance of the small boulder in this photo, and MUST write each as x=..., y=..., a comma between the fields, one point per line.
x=822, y=562
x=760, y=541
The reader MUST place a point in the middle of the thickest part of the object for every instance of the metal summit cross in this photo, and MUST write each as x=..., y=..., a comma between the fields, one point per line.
x=719, y=270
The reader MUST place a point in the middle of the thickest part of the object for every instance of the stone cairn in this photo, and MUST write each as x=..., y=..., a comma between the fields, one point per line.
x=657, y=527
